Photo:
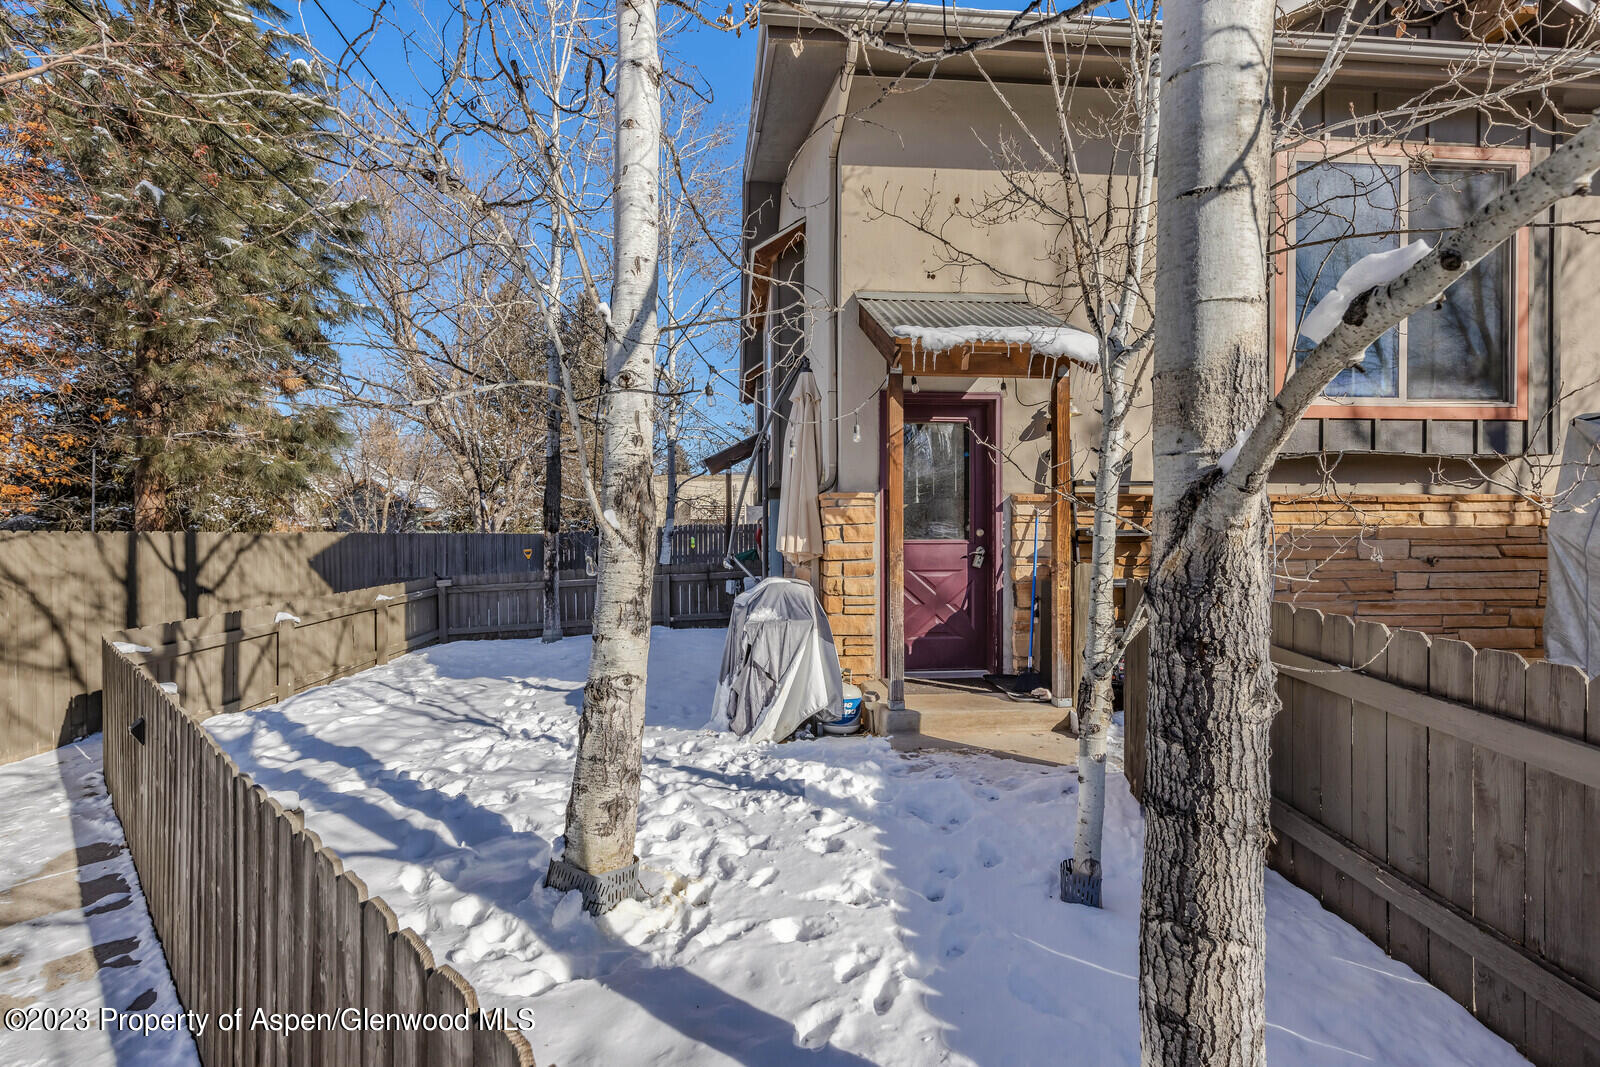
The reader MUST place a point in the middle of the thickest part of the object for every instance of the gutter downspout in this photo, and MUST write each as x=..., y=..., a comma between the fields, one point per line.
x=830, y=439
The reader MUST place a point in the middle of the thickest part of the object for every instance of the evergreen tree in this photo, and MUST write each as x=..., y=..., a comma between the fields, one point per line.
x=198, y=250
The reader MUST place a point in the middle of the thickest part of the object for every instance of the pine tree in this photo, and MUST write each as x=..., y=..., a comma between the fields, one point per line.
x=194, y=145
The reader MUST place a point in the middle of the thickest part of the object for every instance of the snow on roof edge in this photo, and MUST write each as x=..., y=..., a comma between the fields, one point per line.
x=1059, y=342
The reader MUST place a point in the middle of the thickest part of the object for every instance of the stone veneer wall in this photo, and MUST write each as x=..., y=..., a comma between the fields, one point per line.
x=1473, y=567
x=1468, y=566
x=850, y=579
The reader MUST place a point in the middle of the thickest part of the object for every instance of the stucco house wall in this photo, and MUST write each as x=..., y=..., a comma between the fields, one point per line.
x=923, y=158
x=915, y=159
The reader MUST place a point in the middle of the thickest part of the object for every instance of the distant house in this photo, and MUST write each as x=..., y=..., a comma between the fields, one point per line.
x=375, y=504
x=705, y=497
x=944, y=460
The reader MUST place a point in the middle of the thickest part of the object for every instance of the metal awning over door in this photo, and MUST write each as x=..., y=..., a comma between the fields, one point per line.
x=960, y=334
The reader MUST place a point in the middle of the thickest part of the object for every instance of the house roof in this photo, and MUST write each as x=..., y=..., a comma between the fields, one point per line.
x=799, y=57
x=737, y=452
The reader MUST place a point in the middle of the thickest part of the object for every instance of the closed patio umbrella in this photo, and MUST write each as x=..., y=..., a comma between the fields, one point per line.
x=799, y=516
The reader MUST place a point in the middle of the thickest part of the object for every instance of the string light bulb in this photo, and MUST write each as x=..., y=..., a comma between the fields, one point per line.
x=1003, y=388
x=855, y=432
x=711, y=394
x=915, y=388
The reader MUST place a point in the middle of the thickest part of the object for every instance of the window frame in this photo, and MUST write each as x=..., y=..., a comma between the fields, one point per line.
x=1515, y=162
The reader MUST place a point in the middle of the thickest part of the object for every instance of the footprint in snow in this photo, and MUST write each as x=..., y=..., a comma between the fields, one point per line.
x=852, y=965
x=943, y=808
x=855, y=892
x=694, y=923
x=488, y=939
x=882, y=989
x=953, y=943
x=763, y=877
x=824, y=842
x=989, y=854
x=413, y=878
x=1028, y=989
x=788, y=930
x=467, y=911
x=721, y=934
x=815, y=1025
x=942, y=868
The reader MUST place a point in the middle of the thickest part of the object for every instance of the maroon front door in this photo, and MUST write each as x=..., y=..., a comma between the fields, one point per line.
x=949, y=519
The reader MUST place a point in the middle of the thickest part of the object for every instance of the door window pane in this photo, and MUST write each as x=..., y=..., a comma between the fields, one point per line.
x=936, y=481
x=1347, y=211
x=1457, y=349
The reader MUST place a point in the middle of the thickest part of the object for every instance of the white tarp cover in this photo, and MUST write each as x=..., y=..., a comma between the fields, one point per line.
x=779, y=666
x=1572, y=613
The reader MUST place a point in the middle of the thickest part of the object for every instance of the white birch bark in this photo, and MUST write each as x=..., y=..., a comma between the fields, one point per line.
x=1201, y=953
x=602, y=811
x=1102, y=650
x=1202, y=918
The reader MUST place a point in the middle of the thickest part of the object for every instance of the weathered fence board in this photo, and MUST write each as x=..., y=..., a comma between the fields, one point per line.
x=252, y=911
x=1446, y=801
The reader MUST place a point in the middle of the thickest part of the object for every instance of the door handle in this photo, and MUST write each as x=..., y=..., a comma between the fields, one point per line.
x=977, y=555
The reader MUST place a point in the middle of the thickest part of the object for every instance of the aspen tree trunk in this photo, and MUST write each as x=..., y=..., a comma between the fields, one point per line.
x=552, y=446
x=602, y=812
x=1081, y=875
x=672, y=428
x=1094, y=690
x=1202, y=917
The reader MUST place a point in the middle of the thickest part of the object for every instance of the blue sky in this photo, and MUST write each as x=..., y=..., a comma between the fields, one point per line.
x=719, y=64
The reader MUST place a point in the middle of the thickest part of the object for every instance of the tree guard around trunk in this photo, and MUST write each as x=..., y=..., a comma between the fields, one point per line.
x=1080, y=887
x=601, y=892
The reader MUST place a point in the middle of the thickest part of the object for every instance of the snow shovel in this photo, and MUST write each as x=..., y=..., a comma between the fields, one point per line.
x=1029, y=685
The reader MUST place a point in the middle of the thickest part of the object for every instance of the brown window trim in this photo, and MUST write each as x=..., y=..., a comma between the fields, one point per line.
x=1517, y=161
x=763, y=262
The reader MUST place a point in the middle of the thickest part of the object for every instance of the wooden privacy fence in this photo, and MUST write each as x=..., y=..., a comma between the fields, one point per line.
x=694, y=544
x=255, y=915
x=1446, y=802
x=60, y=591
x=238, y=660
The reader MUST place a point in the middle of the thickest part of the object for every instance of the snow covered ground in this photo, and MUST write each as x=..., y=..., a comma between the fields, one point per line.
x=74, y=933
x=834, y=902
